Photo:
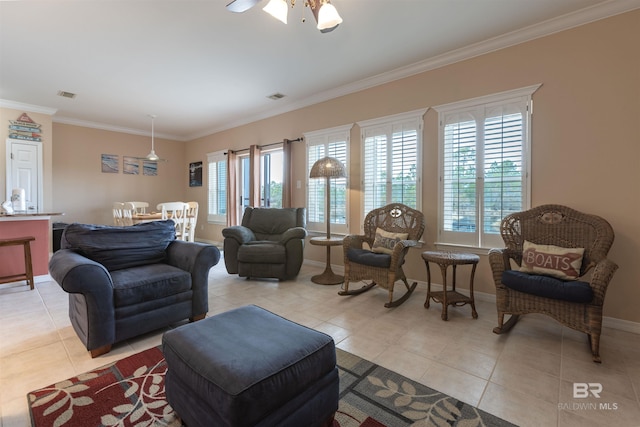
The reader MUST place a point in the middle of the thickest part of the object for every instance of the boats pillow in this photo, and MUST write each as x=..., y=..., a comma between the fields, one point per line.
x=563, y=263
x=385, y=241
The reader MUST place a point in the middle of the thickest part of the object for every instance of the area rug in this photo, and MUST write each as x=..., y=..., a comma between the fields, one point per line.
x=130, y=392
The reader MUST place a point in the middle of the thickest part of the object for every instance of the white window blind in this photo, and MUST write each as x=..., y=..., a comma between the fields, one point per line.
x=217, y=192
x=484, y=145
x=391, y=148
x=332, y=142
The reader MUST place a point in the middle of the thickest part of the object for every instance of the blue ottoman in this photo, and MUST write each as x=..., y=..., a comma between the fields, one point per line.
x=250, y=367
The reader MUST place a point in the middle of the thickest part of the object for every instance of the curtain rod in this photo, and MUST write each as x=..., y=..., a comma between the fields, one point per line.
x=266, y=145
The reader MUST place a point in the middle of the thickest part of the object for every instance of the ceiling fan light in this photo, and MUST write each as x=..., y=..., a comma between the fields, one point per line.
x=278, y=9
x=152, y=156
x=328, y=16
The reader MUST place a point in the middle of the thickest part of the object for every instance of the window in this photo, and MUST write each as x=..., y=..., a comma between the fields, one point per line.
x=332, y=142
x=391, y=160
x=217, y=209
x=484, y=166
x=271, y=178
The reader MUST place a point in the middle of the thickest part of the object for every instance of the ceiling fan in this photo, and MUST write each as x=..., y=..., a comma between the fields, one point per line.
x=324, y=12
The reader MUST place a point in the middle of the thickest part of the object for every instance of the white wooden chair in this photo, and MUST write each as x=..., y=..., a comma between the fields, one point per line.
x=122, y=213
x=176, y=211
x=139, y=207
x=192, y=220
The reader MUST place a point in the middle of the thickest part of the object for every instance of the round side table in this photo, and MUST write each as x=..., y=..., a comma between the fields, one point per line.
x=328, y=277
x=450, y=297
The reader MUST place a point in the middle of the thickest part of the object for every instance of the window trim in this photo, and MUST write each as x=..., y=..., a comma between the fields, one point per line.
x=390, y=120
x=316, y=227
x=216, y=156
x=525, y=94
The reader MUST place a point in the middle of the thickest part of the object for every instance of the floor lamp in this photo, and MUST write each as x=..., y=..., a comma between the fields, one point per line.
x=327, y=167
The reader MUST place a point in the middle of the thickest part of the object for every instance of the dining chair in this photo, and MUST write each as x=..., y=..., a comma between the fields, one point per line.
x=122, y=213
x=139, y=207
x=192, y=220
x=176, y=211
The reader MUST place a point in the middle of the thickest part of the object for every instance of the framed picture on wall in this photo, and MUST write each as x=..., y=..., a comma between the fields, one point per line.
x=109, y=163
x=130, y=165
x=195, y=174
x=149, y=168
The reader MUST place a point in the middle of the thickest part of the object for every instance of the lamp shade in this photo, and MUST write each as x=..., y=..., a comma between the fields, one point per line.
x=328, y=17
x=278, y=9
x=328, y=167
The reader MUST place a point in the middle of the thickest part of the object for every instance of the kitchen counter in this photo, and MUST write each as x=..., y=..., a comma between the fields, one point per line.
x=26, y=224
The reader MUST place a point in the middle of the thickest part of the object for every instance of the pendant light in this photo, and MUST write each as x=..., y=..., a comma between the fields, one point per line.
x=328, y=16
x=152, y=156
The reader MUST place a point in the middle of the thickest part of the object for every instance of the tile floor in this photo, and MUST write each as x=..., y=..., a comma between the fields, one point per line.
x=525, y=376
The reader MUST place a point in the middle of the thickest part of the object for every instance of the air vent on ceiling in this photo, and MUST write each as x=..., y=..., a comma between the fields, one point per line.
x=66, y=94
x=276, y=96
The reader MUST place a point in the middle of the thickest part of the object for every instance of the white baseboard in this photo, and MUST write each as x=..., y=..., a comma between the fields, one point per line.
x=607, y=322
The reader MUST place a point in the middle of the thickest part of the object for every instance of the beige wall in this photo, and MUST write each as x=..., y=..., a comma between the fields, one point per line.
x=585, y=143
x=86, y=194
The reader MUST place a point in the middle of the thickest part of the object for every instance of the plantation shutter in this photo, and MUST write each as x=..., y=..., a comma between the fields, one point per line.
x=459, y=168
x=375, y=169
x=391, y=160
x=404, y=163
x=217, y=191
x=484, y=146
x=503, y=165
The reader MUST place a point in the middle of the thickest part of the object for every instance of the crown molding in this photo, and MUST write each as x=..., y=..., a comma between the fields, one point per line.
x=29, y=108
x=112, y=128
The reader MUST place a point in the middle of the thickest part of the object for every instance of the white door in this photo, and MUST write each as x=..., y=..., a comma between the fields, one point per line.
x=25, y=168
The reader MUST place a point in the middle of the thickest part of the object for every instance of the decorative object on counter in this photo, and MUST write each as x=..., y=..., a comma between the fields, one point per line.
x=18, y=198
x=109, y=163
x=195, y=174
x=6, y=208
x=25, y=129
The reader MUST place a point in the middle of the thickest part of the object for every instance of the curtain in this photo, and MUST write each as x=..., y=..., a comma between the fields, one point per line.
x=254, y=176
x=232, y=204
x=287, y=187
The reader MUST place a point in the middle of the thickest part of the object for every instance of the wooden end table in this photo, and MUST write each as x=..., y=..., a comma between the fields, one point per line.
x=328, y=277
x=450, y=297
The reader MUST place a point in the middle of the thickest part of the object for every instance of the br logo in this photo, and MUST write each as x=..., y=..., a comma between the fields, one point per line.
x=583, y=390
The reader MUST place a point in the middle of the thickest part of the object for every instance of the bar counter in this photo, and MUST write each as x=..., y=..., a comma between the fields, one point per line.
x=35, y=224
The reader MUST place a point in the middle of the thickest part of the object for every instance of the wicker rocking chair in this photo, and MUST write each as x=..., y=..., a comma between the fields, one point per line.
x=566, y=228
x=389, y=231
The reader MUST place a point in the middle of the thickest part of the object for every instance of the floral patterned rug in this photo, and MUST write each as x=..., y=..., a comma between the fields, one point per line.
x=130, y=392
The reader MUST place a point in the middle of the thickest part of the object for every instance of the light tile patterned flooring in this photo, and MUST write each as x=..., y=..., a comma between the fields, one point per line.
x=525, y=376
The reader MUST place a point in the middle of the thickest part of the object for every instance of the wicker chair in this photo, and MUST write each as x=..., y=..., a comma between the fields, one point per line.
x=564, y=227
x=382, y=269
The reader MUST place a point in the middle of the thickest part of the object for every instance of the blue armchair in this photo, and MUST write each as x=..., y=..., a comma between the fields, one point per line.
x=127, y=281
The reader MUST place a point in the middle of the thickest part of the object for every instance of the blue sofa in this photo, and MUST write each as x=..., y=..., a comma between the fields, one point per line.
x=127, y=281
